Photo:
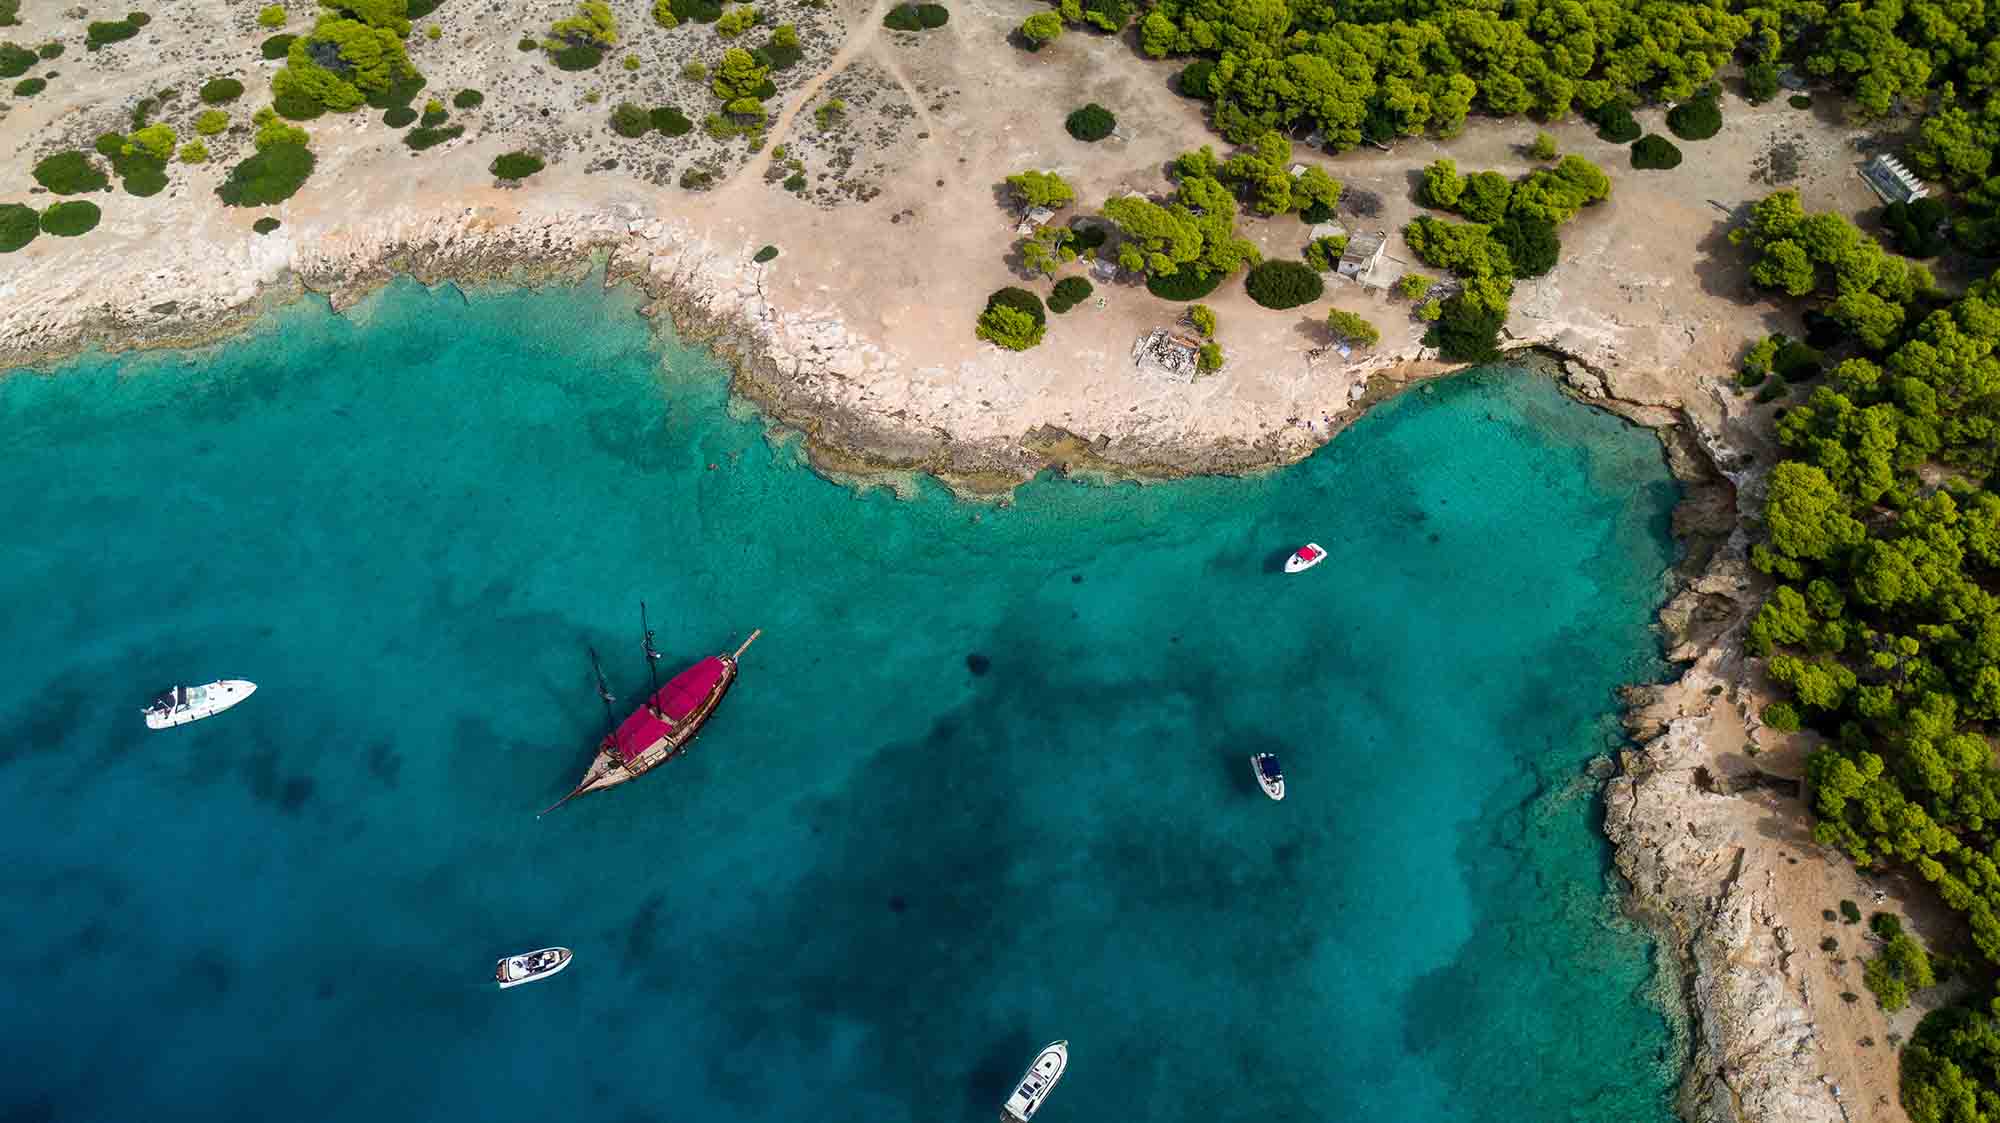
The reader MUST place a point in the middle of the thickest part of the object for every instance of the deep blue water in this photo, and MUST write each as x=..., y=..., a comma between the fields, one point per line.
x=880, y=881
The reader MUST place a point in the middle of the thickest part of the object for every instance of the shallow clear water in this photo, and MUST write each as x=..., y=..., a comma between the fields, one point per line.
x=880, y=880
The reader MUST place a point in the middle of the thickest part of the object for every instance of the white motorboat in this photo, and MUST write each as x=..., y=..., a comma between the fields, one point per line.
x=517, y=969
x=178, y=705
x=1269, y=776
x=1304, y=558
x=1035, y=1084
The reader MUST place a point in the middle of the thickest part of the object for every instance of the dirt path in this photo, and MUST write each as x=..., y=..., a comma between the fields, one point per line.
x=860, y=42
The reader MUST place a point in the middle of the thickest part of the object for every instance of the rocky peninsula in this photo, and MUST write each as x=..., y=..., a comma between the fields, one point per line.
x=857, y=334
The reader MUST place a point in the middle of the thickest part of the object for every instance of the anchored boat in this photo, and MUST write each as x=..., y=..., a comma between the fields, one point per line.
x=1304, y=558
x=517, y=969
x=664, y=726
x=1270, y=777
x=1035, y=1084
x=178, y=705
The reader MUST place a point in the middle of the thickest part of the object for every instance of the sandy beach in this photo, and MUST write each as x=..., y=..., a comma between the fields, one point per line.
x=859, y=335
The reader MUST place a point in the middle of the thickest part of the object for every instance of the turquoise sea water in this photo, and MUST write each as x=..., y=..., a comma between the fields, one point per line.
x=881, y=880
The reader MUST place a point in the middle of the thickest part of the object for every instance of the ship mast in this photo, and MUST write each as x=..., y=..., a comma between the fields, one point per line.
x=604, y=695
x=652, y=663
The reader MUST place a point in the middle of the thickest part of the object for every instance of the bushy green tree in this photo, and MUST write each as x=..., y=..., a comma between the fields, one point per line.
x=1042, y=28
x=1042, y=189
x=1014, y=319
x=1091, y=123
x=340, y=63
x=1283, y=284
x=1352, y=328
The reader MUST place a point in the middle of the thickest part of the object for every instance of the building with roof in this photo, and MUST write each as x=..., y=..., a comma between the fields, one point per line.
x=1034, y=220
x=1891, y=181
x=1362, y=253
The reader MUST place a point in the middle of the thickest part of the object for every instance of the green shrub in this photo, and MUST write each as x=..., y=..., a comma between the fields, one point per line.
x=1352, y=328
x=110, y=144
x=697, y=179
x=1043, y=28
x=1283, y=284
x=67, y=220
x=467, y=99
x=1655, y=152
x=294, y=106
x=1184, y=285
x=629, y=120
x=527, y=44
x=575, y=58
x=1019, y=298
x=1917, y=227
x=696, y=11
x=398, y=116
x=932, y=16
x=1413, y=286
x=433, y=116
x=1760, y=82
x=276, y=46
x=29, y=87
x=420, y=8
x=1532, y=244
x=1209, y=359
x=264, y=225
x=1193, y=80
x=670, y=121
x=1698, y=119
x=141, y=173
x=1850, y=912
x=221, y=91
x=156, y=141
x=1091, y=123
x=423, y=137
x=18, y=226
x=1615, y=124
x=1782, y=716
x=271, y=15
x=1014, y=319
x=193, y=152
x=795, y=182
x=209, y=122
x=102, y=34
x=1203, y=318
x=515, y=165
x=15, y=60
x=736, y=21
x=1799, y=101
x=1467, y=330
x=1544, y=147
x=70, y=173
x=1068, y=293
x=138, y=19
x=272, y=174
x=49, y=50
x=401, y=90
x=768, y=253
x=10, y=13
x=903, y=17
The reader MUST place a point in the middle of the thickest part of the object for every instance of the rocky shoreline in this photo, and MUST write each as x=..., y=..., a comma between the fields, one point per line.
x=807, y=373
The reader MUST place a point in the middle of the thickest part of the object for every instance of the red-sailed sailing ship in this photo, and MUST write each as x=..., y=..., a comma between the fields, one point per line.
x=664, y=726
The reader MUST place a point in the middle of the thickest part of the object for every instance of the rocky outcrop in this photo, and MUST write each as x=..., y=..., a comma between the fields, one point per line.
x=1754, y=1057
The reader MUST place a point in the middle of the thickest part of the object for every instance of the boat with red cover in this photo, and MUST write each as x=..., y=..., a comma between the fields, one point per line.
x=663, y=727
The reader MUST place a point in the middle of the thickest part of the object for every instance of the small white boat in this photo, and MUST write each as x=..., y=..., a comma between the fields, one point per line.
x=178, y=705
x=1304, y=558
x=1269, y=776
x=517, y=969
x=1035, y=1084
